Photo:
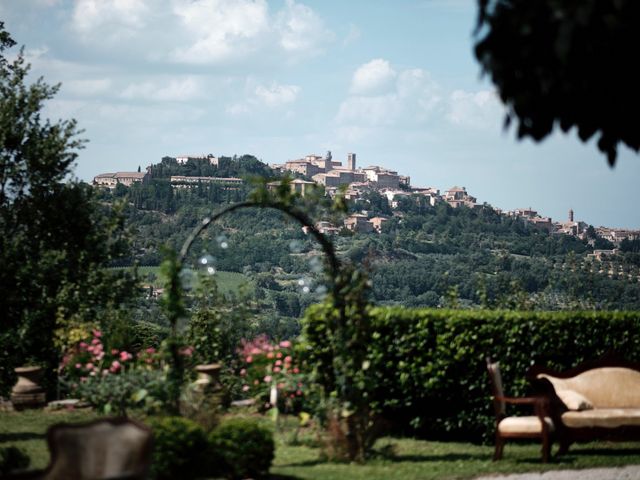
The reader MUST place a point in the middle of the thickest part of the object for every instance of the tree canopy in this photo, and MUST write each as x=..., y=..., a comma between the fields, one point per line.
x=54, y=236
x=565, y=63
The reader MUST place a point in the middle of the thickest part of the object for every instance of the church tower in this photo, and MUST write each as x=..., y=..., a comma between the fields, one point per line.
x=351, y=161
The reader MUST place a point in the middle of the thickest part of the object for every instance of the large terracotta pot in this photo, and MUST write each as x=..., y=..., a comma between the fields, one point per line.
x=27, y=392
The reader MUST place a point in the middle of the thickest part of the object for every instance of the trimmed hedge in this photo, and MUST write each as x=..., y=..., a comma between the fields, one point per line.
x=243, y=448
x=179, y=448
x=430, y=370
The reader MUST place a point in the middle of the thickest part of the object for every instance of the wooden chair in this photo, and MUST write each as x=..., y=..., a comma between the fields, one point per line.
x=109, y=448
x=535, y=426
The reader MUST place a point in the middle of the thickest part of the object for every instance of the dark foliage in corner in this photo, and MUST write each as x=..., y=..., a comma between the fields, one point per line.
x=567, y=63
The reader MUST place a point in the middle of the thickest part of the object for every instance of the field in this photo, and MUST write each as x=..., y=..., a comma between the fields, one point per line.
x=227, y=281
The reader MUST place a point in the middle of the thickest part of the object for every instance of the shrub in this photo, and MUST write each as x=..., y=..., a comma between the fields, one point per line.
x=135, y=388
x=12, y=459
x=243, y=447
x=179, y=448
x=430, y=364
x=267, y=365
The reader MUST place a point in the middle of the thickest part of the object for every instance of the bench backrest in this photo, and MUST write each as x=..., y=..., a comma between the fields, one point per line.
x=605, y=387
x=107, y=448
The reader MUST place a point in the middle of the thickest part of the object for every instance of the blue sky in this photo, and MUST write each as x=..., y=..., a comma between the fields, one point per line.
x=393, y=81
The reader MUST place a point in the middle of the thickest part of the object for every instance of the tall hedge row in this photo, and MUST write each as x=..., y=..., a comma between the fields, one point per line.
x=428, y=366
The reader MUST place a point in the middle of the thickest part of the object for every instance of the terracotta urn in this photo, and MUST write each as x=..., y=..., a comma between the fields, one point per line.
x=208, y=377
x=27, y=392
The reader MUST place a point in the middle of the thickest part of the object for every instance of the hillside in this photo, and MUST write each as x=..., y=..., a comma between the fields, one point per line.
x=425, y=255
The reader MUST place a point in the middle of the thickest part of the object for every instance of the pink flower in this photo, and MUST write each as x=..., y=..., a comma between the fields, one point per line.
x=89, y=366
x=114, y=351
x=124, y=356
x=292, y=396
x=267, y=379
x=276, y=369
x=78, y=365
x=285, y=344
x=186, y=351
x=287, y=359
x=278, y=363
x=249, y=359
x=115, y=366
x=83, y=345
x=296, y=370
x=256, y=351
x=270, y=355
x=245, y=388
x=97, y=333
x=90, y=349
x=299, y=392
x=281, y=385
x=279, y=355
x=150, y=350
x=243, y=372
x=95, y=341
x=100, y=356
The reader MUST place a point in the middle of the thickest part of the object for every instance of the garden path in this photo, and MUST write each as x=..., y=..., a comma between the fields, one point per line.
x=631, y=472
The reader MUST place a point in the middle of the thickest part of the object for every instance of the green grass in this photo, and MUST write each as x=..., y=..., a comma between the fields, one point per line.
x=227, y=281
x=396, y=458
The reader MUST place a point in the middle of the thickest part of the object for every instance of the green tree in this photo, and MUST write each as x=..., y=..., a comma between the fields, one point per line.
x=565, y=62
x=54, y=238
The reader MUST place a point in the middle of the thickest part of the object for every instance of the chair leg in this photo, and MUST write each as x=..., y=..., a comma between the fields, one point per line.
x=546, y=448
x=497, y=455
x=564, y=446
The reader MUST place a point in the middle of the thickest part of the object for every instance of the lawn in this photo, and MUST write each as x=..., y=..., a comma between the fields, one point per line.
x=227, y=281
x=396, y=458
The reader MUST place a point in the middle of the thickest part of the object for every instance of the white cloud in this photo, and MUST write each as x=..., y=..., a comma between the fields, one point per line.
x=475, y=109
x=271, y=96
x=176, y=90
x=373, y=77
x=33, y=55
x=222, y=28
x=276, y=95
x=226, y=30
x=352, y=36
x=238, y=109
x=380, y=97
x=109, y=19
x=87, y=88
x=300, y=29
x=370, y=111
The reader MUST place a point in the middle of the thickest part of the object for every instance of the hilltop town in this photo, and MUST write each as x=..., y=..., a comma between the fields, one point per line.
x=313, y=170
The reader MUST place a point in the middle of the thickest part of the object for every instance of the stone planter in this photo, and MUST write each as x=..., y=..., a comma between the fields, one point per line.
x=27, y=392
x=208, y=377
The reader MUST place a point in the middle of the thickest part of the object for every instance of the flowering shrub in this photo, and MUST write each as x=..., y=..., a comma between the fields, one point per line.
x=269, y=367
x=114, y=380
x=88, y=358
